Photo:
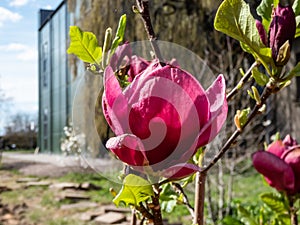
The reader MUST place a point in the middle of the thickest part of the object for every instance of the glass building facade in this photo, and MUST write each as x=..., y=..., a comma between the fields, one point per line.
x=54, y=77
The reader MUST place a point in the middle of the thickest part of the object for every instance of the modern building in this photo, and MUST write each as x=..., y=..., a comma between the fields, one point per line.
x=54, y=77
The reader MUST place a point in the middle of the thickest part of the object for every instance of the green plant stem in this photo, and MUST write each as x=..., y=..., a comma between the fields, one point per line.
x=242, y=82
x=143, y=8
x=293, y=211
x=199, y=198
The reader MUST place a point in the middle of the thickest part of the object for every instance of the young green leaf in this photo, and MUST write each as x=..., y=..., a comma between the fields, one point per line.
x=234, y=19
x=84, y=45
x=246, y=216
x=120, y=33
x=260, y=78
x=135, y=190
x=275, y=203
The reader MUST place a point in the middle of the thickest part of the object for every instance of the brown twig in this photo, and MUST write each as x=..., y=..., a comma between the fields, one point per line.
x=269, y=89
x=186, y=201
x=199, y=198
x=293, y=211
x=145, y=213
x=143, y=9
x=156, y=209
x=241, y=83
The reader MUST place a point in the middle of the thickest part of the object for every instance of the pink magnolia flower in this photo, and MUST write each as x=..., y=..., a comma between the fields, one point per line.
x=280, y=165
x=162, y=117
x=282, y=29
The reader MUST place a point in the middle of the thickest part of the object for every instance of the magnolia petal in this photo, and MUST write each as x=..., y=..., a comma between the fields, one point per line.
x=277, y=148
x=114, y=105
x=137, y=65
x=180, y=171
x=292, y=158
x=129, y=149
x=178, y=100
x=288, y=141
x=276, y=172
x=216, y=94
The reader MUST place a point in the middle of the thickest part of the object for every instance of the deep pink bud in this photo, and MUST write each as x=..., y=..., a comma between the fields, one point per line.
x=282, y=28
x=280, y=165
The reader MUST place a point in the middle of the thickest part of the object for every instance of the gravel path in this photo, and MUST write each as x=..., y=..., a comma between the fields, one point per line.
x=47, y=165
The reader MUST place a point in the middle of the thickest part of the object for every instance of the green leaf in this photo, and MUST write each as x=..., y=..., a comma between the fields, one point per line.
x=296, y=7
x=234, y=19
x=246, y=216
x=229, y=220
x=275, y=203
x=134, y=191
x=297, y=26
x=260, y=78
x=84, y=45
x=120, y=33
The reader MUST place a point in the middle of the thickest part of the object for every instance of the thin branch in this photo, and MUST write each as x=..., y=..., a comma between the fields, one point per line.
x=186, y=201
x=143, y=9
x=244, y=79
x=145, y=213
x=293, y=211
x=269, y=89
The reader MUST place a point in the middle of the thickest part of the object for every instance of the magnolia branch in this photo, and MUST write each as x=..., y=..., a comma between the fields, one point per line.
x=186, y=201
x=269, y=89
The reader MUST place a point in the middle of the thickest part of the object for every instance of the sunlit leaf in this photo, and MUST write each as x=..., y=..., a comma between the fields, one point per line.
x=135, y=190
x=246, y=216
x=120, y=33
x=296, y=7
x=275, y=203
x=84, y=45
x=260, y=78
x=234, y=19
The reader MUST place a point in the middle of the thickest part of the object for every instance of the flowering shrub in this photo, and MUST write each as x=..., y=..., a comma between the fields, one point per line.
x=73, y=143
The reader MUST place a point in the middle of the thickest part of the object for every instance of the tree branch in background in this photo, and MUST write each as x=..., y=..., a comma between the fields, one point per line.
x=142, y=6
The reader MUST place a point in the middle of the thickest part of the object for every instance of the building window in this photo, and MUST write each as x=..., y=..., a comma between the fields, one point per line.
x=45, y=53
x=45, y=128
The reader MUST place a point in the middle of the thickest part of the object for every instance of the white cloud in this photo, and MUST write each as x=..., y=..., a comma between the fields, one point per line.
x=49, y=7
x=18, y=3
x=7, y=15
x=23, y=52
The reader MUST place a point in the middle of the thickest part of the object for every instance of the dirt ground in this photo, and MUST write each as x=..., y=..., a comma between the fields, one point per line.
x=26, y=196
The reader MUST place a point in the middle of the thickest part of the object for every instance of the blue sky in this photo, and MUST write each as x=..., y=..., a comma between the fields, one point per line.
x=18, y=54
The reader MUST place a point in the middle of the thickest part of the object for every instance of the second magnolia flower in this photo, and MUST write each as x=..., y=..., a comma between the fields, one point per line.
x=162, y=117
